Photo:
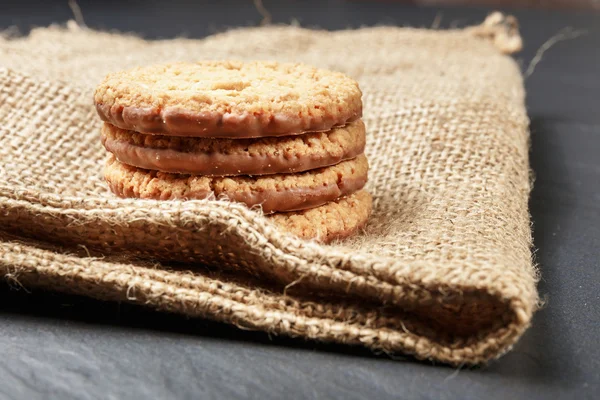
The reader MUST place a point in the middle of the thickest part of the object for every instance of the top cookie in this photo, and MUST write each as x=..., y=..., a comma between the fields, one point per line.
x=228, y=99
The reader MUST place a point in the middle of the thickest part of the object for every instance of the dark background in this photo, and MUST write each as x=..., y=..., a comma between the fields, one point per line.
x=555, y=4
x=56, y=346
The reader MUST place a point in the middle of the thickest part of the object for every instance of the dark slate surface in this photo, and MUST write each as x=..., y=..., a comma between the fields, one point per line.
x=67, y=347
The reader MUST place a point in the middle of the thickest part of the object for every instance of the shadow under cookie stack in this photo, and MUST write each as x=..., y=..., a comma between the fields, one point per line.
x=283, y=137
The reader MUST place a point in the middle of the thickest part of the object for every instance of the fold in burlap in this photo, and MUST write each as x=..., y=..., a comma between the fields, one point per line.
x=443, y=270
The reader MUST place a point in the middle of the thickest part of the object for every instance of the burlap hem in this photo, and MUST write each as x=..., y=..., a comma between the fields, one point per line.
x=411, y=313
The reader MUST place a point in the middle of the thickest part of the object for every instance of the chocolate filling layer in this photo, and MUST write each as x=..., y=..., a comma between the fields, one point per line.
x=177, y=122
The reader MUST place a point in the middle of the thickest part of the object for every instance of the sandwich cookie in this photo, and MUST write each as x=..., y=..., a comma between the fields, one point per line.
x=278, y=192
x=205, y=156
x=230, y=99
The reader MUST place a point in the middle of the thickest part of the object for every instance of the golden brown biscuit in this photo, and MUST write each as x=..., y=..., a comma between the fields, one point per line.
x=334, y=220
x=219, y=157
x=228, y=99
x=279, y=192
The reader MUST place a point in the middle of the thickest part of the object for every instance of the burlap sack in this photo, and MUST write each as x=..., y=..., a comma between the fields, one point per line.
x=443, y=270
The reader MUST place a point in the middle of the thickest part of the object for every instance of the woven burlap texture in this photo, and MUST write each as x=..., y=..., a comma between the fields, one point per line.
x=443, y=270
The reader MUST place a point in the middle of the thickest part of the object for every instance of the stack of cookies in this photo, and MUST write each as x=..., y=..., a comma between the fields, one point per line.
x=284, y=137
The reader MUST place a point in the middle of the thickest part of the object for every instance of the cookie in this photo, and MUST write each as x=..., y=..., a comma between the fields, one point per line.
x=205, y=156
x=279, y=192
x=335, y=220
x=228, y=99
